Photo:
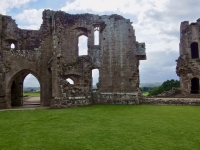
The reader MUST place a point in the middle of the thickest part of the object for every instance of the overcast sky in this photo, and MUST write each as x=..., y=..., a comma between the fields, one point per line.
x=156, y=22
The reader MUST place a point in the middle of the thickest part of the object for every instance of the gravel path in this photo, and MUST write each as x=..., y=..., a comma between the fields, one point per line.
x=32, y=101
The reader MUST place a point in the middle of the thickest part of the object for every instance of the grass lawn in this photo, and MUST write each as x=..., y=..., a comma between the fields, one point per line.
x=32, y=94
x=102, y=127
x=145, y=93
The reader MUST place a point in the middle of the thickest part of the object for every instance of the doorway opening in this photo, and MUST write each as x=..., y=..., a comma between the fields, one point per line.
x=194, y=86
x=25, y=90
x=31, y=90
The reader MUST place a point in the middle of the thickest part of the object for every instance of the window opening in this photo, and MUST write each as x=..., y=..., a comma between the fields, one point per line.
x=96, y=36
x=12, y=46
x=70, y=81
x=95, y=78
x=194, y=50
x=82, y=45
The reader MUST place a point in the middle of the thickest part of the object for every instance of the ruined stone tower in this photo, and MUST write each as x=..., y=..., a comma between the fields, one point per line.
x=188, y=63
x=51, y=54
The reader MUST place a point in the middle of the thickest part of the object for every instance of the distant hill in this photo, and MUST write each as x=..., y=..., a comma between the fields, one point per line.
x=31, y=88
x=151, y=84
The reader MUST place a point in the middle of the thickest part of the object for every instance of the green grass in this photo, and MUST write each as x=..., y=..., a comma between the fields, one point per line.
x=145, y=93
x=102, y=127
x=32, y=94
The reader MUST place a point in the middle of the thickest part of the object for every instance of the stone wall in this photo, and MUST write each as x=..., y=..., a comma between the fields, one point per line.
x=52, y=55
x=171, y=101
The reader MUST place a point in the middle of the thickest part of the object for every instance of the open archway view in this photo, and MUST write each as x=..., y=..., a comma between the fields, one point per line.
x=31, y=91
x=82, y=45
x=95, y=78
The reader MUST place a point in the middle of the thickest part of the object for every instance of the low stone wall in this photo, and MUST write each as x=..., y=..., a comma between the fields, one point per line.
x=115, y=98
x=71, y=102
x=119, y=102
x=171, y=101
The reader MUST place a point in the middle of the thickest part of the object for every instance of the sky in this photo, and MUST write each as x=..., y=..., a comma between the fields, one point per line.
x=156, y=22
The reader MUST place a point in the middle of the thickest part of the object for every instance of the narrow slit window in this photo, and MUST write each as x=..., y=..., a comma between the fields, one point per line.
x=96, y=36
x=95, y=78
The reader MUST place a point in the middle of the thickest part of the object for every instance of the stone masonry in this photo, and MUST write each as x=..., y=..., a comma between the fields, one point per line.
x=188, y=63
x=51, y=54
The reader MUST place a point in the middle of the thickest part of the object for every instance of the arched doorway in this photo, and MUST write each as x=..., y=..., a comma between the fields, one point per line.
x=194, y=86
x=194, y=50
x=16, y=93
x=31, y=91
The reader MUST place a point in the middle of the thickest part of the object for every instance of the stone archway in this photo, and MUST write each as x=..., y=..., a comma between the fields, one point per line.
x=15, y=88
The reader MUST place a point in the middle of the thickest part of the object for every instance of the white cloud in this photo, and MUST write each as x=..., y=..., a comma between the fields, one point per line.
x=99, y=6
x=29, y=19
x=7, y=5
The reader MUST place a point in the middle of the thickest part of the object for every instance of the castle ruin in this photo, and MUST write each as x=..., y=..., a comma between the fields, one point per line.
x=51, y=54
x=188, y=63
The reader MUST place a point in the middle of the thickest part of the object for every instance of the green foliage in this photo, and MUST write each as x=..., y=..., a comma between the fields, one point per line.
x=166, y=86
x=102, y=127
x=32, y=94
x=146, y=89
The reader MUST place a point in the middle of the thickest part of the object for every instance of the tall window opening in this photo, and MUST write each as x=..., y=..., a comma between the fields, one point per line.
x=12, y=46
x=31, y=90
x=70, y=81
x=95, y=78
x=96, y=36
x=82, y=45
x=194, y=86
x=194, y=50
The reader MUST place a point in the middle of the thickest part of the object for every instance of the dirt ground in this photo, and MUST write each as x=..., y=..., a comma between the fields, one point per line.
x=32, y=101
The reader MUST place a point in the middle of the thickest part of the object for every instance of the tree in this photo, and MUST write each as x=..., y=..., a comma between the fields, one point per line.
x=166, y=86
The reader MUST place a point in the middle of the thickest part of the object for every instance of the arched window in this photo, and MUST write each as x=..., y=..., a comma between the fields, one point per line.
x=12, y=46
x=194, y=50
x=82, y=45
x=95, y=78
x=70, y=81
x=96, y=36
x=195, y=86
